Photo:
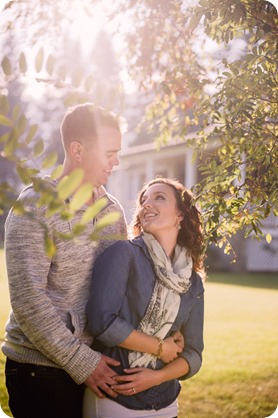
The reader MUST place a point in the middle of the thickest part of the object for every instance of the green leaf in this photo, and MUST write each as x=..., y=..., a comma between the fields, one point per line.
x=81, y=197
x=50, y=160
x=93, y=210
x=32, y=132
x=18, y=208
x=194, y=156
x=26, y=174
x=10, y=146
x=6, y=65
x=107, y=219
x=4, y=104
x=57, y=172
x=22, y=63
x=78, y=229
x=195, y=20
x=69, y=184
x=5, y=137
x=38, y=148
x=50, y=64
x=21, y=125
x=49, y=244
x=5, y=121
x=39, y=60
x=268, y=238
x=16, y=112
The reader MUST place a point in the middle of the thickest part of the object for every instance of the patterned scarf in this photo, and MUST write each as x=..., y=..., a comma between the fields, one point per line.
x=171, y=280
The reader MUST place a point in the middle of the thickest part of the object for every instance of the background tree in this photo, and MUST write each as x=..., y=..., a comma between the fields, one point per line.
x=231, y=100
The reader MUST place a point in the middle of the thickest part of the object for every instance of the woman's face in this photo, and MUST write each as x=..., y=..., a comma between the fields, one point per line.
x=159, y=214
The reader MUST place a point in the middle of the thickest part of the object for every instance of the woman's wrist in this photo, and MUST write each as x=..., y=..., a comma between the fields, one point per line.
x=159, y=352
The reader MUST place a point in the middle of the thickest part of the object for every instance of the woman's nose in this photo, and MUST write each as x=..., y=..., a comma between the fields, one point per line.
x=147, y=203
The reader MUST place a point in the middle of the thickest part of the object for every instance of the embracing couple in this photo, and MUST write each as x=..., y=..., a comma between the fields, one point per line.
x=103, y=331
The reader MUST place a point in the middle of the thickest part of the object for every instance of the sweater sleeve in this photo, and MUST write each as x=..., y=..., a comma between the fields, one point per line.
x=28, y=267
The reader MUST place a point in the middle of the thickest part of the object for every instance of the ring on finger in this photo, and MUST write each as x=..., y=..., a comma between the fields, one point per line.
x=133, y=390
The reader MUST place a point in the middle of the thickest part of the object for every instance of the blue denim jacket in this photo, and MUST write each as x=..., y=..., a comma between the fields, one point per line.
x=122, y=285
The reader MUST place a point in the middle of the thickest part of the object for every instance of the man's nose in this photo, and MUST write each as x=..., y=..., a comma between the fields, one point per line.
x=116, y=161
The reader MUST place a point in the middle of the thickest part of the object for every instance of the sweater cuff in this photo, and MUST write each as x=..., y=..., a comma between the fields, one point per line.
x=82, y=364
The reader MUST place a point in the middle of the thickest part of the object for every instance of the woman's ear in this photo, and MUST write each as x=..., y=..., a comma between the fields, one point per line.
x=76, y=150
x=180, y=217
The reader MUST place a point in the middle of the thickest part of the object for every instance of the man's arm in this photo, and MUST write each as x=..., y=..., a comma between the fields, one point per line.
x=28, y=267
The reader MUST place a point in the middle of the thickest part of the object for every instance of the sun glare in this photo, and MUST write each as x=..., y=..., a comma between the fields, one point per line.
x=88, y=20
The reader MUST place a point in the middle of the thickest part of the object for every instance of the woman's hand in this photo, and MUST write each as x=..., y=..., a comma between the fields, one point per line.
x=170, y=350
x=136, y=380
x=178, y=338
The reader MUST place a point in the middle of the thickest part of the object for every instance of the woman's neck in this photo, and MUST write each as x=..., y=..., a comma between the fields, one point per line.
x=168, y=244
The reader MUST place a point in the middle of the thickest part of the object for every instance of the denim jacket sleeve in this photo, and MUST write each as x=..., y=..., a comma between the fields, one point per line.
x=108, y=287
x=192, y=330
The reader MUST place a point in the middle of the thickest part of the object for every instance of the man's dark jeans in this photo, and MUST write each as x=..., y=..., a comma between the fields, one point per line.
x=42, y=392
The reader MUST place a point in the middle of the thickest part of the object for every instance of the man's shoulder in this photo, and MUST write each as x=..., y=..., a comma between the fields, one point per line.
x=113, y=199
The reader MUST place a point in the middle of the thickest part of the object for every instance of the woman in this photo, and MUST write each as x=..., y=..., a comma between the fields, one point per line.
x=142, y=291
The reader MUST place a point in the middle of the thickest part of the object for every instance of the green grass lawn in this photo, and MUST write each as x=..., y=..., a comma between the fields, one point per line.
x=239, y=377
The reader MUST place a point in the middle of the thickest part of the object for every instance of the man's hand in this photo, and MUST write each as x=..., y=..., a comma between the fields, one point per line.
x=102, y=377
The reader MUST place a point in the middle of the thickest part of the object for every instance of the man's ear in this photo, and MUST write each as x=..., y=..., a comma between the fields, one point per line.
x=76, y=150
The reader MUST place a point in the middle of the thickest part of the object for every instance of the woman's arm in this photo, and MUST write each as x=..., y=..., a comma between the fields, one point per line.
x=138, y=341
x=140, y=378
x=111, y=275
x=192, y=330
x=184, y=367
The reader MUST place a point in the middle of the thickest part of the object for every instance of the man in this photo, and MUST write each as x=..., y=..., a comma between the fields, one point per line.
x=46, y=343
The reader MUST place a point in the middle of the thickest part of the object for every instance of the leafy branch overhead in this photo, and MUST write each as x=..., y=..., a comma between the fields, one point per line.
x=208, y=70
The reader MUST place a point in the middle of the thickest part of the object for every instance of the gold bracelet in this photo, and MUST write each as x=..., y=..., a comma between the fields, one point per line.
x=160, y=348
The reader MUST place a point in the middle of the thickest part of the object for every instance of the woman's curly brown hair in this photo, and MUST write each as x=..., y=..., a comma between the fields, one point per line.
x=191, y=233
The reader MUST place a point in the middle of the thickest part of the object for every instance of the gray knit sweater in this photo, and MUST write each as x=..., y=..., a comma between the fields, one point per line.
x=47, y=325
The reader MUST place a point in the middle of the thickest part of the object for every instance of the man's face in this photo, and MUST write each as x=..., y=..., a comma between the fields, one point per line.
x=98, y=160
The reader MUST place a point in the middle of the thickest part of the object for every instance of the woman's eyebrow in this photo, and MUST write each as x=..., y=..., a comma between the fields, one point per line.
x=154, y=193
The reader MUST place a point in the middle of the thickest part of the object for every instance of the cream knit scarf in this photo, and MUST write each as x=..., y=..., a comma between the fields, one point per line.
x=171, y=280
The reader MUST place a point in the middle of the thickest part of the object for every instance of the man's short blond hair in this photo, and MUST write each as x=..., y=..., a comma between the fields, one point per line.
x=82, y=122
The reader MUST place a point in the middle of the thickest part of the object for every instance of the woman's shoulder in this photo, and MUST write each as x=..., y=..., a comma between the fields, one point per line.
x=122, y=247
